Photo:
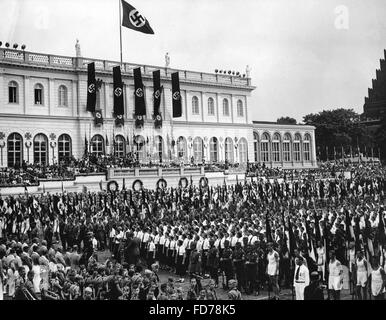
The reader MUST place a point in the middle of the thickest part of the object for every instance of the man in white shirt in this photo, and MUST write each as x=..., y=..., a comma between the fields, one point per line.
x=301, y=278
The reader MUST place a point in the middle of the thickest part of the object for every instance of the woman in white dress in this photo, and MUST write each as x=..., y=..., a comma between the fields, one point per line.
x=378, y=280
x=335, y=278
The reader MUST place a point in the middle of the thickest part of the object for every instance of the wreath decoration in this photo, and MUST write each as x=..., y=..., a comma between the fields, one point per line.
x=112, y=186
x=137, y=185
x=183, y=183
x=203, y=182
x=161, y=183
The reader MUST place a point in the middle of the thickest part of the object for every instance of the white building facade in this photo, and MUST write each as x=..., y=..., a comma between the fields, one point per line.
x=43, y=116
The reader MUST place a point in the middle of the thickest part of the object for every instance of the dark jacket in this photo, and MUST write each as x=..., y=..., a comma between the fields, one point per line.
x=313, y=292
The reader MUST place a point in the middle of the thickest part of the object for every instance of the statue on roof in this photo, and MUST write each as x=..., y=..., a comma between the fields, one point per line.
x=248, y=71
x=167, y=60
x=77, y=49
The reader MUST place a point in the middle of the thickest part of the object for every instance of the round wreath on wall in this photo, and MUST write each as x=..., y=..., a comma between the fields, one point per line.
x=137, y=185
x=112, y=186
x=161, y=183
x=203, y=182
x=183, y=183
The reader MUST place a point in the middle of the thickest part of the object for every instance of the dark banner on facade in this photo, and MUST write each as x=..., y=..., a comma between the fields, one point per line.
x=176, y=95
x=157, y=92
x=119, y=108
x=98, y=117
x=140, y=107
x=91, y=87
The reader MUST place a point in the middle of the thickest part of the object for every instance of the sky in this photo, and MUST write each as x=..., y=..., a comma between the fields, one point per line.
x=305, y=55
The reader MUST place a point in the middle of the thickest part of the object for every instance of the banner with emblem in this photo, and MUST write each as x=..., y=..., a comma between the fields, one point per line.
x=91, y=87
x=98, y=117
x=119, y=109
x=176, y=95
x=157, y=99
x=140, y=106
x=132, y=19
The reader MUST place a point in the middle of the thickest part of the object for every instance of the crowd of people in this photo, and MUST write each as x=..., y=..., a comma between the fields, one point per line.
x=259, y=235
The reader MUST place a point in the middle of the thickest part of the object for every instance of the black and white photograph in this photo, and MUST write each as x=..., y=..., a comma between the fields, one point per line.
x=176, y=151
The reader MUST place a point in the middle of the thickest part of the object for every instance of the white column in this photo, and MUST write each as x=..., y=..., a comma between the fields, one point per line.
x=74, y=95
x=26, y=94
x=217, y=113
x=246, y=109
x=51, y=96
x=233, y=120
x=202, y=107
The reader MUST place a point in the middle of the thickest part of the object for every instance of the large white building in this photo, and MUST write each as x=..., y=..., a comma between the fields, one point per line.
x=43, y=116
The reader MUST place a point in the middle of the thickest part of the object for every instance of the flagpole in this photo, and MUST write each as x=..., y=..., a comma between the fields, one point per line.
x=120, y=31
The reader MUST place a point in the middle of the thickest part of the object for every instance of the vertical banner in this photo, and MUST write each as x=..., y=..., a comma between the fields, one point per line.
x=140, y=106
x=176, y=94
x=157, y=99
x=91, y=87
x=119, y=108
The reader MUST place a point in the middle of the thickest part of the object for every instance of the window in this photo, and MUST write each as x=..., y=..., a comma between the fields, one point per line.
x=195, y=106
x=15, y=150
x=256, y=145
x=41, y=149
x=229, y=150
x=39, y=94
x=120, y=146
x=225, y=107
x=296, y=147
x=276, y=147
x=158, y=148
x=139, y=147
x=198, y=149
x=181, y=148
x=211, y=107
x=240, y=109
x=265, y=147
x=243, y=151
x=13, y=92
x=97, y=145
x=62, y=96
x=287, y=147
x=213, y=149
x=307, y=148
x=64, y=147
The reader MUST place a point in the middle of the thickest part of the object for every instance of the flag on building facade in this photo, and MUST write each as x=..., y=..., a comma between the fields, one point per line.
x=176, y=95
x=119, y=108
x=91, y=87
x=132, y=19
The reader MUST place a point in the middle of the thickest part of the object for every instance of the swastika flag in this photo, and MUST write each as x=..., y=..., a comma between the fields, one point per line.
x=132, y=19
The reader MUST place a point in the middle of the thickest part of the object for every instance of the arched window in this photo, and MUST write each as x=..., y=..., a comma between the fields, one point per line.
x=64, y=147
x=256, y=145
x=213, y=149
x=243, y=150
x=287, y=147
x=158, y=144
x=265, y=140
x=41, y=149
x=296, y=147
x=276, y=147
x=139, y=147
x=307, y=147
x=195, y=105
x=240, y=108
x=13, y=92
x=38, y=94
x=15, y=149
x=97, y=145
x=210, y=106
x=229, y=156
x=198, y=149
x=62, y=96
x=225, y=107
x=181, y=148
x=120, y=146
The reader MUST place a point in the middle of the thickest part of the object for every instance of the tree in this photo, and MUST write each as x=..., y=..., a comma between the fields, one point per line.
x=380, y=138
x=286, y=120
x=336, y=129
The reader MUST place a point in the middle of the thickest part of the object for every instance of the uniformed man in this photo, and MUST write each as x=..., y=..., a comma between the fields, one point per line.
x=238, y=263
x=251, y=260
x=226, y=264
x=301, y=278
x=234, y=293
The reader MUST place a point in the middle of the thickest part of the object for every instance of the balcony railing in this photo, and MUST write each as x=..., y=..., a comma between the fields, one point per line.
x=63, y=62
